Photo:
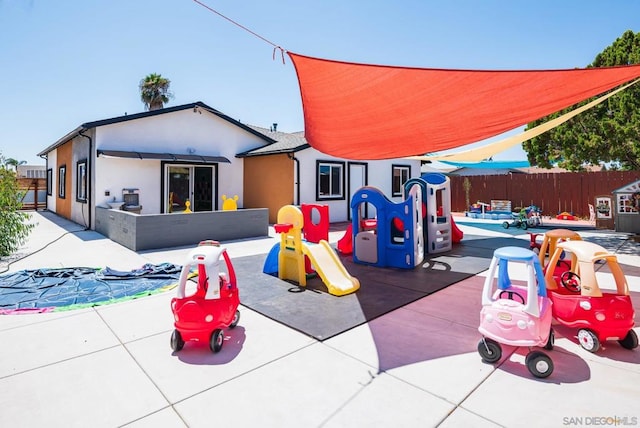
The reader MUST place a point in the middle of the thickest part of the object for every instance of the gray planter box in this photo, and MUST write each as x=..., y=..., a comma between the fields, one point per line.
x=152, y=231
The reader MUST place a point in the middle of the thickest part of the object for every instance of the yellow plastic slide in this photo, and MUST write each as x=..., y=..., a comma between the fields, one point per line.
x=333, y=273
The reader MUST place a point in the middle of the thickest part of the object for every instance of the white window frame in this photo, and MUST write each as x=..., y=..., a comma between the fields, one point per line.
x=327, y=172
x=81, y=181
x=62, y=178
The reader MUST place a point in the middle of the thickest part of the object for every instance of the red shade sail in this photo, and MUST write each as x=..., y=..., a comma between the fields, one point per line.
x=365, y=111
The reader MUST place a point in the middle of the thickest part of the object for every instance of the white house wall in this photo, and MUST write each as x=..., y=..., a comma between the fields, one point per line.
x=182, y=132
x=79, y=210
x=379, y=175
x=52, y=162
x=115, y=174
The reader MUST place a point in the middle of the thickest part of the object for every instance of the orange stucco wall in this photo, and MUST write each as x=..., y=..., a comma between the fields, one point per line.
x=64, y=157
x=268, y=183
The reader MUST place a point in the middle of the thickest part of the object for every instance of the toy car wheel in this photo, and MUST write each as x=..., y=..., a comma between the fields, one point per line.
x=176, y=341
x=489, y=350
x=236, y=319
x=505, y=224
x=588, y=340
x=630, y=341
x=539, y=364
x=217, y=340
x=550, y=341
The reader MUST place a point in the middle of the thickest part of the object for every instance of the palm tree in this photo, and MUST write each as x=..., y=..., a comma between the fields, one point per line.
x=154, y=91
x=14, y=163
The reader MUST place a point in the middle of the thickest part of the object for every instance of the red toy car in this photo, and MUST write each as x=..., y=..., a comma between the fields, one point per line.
x=579, y=302
x=203, y=315
x=547, y=247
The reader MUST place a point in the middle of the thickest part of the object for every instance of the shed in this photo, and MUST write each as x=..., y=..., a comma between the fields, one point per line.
x=627, y=202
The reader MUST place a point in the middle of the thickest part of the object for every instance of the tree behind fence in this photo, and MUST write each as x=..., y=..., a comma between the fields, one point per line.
x=552, y=192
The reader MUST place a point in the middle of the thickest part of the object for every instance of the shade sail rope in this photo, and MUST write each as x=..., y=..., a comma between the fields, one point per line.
x=480, y=153
x=275, y=46
x=370, y=112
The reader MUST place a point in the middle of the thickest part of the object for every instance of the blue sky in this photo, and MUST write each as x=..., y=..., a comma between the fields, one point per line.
x=69, y=62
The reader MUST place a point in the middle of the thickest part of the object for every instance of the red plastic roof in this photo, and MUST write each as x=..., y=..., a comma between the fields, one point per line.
x=365, y=111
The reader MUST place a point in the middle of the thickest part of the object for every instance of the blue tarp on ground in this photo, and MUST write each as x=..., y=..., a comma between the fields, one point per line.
x=64, y=287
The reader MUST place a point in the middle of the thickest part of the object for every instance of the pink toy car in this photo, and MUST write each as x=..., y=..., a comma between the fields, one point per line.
x=579, y=302
x=516, y=315
x=203, y=315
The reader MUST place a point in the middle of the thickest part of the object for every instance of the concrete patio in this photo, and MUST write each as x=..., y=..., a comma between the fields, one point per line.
x=112, y=366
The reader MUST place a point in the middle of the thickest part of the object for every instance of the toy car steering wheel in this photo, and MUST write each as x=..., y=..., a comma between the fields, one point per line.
x=510, y=295
x=570, y=281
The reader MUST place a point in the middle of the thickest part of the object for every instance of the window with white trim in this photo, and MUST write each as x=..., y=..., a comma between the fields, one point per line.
x=627, y=203
x=49, y=181
x=81, y=181
x=330, y=180
x=62, y=178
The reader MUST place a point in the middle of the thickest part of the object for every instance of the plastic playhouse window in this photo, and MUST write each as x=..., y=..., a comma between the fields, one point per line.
x=626, y=204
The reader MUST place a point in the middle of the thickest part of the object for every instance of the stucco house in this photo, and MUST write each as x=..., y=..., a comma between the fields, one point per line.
x=289, y=171
x=190, y=157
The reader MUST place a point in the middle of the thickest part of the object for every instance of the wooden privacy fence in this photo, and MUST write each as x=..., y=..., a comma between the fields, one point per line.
x=35, y=193
x=552, y=192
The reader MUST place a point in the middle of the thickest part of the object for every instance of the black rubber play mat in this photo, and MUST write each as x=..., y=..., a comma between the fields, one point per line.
x=315, y=312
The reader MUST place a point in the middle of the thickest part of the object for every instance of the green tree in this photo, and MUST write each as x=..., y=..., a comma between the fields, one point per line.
x=14, y=226
x=154, y=91
x=608, y=132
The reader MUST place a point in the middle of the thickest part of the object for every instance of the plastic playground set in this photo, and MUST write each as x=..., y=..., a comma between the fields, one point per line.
x=297, y=257
x=382, y=233
x=385, y=233
x=388, y=234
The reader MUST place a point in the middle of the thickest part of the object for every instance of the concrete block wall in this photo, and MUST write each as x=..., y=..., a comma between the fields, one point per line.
x=153, y=231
